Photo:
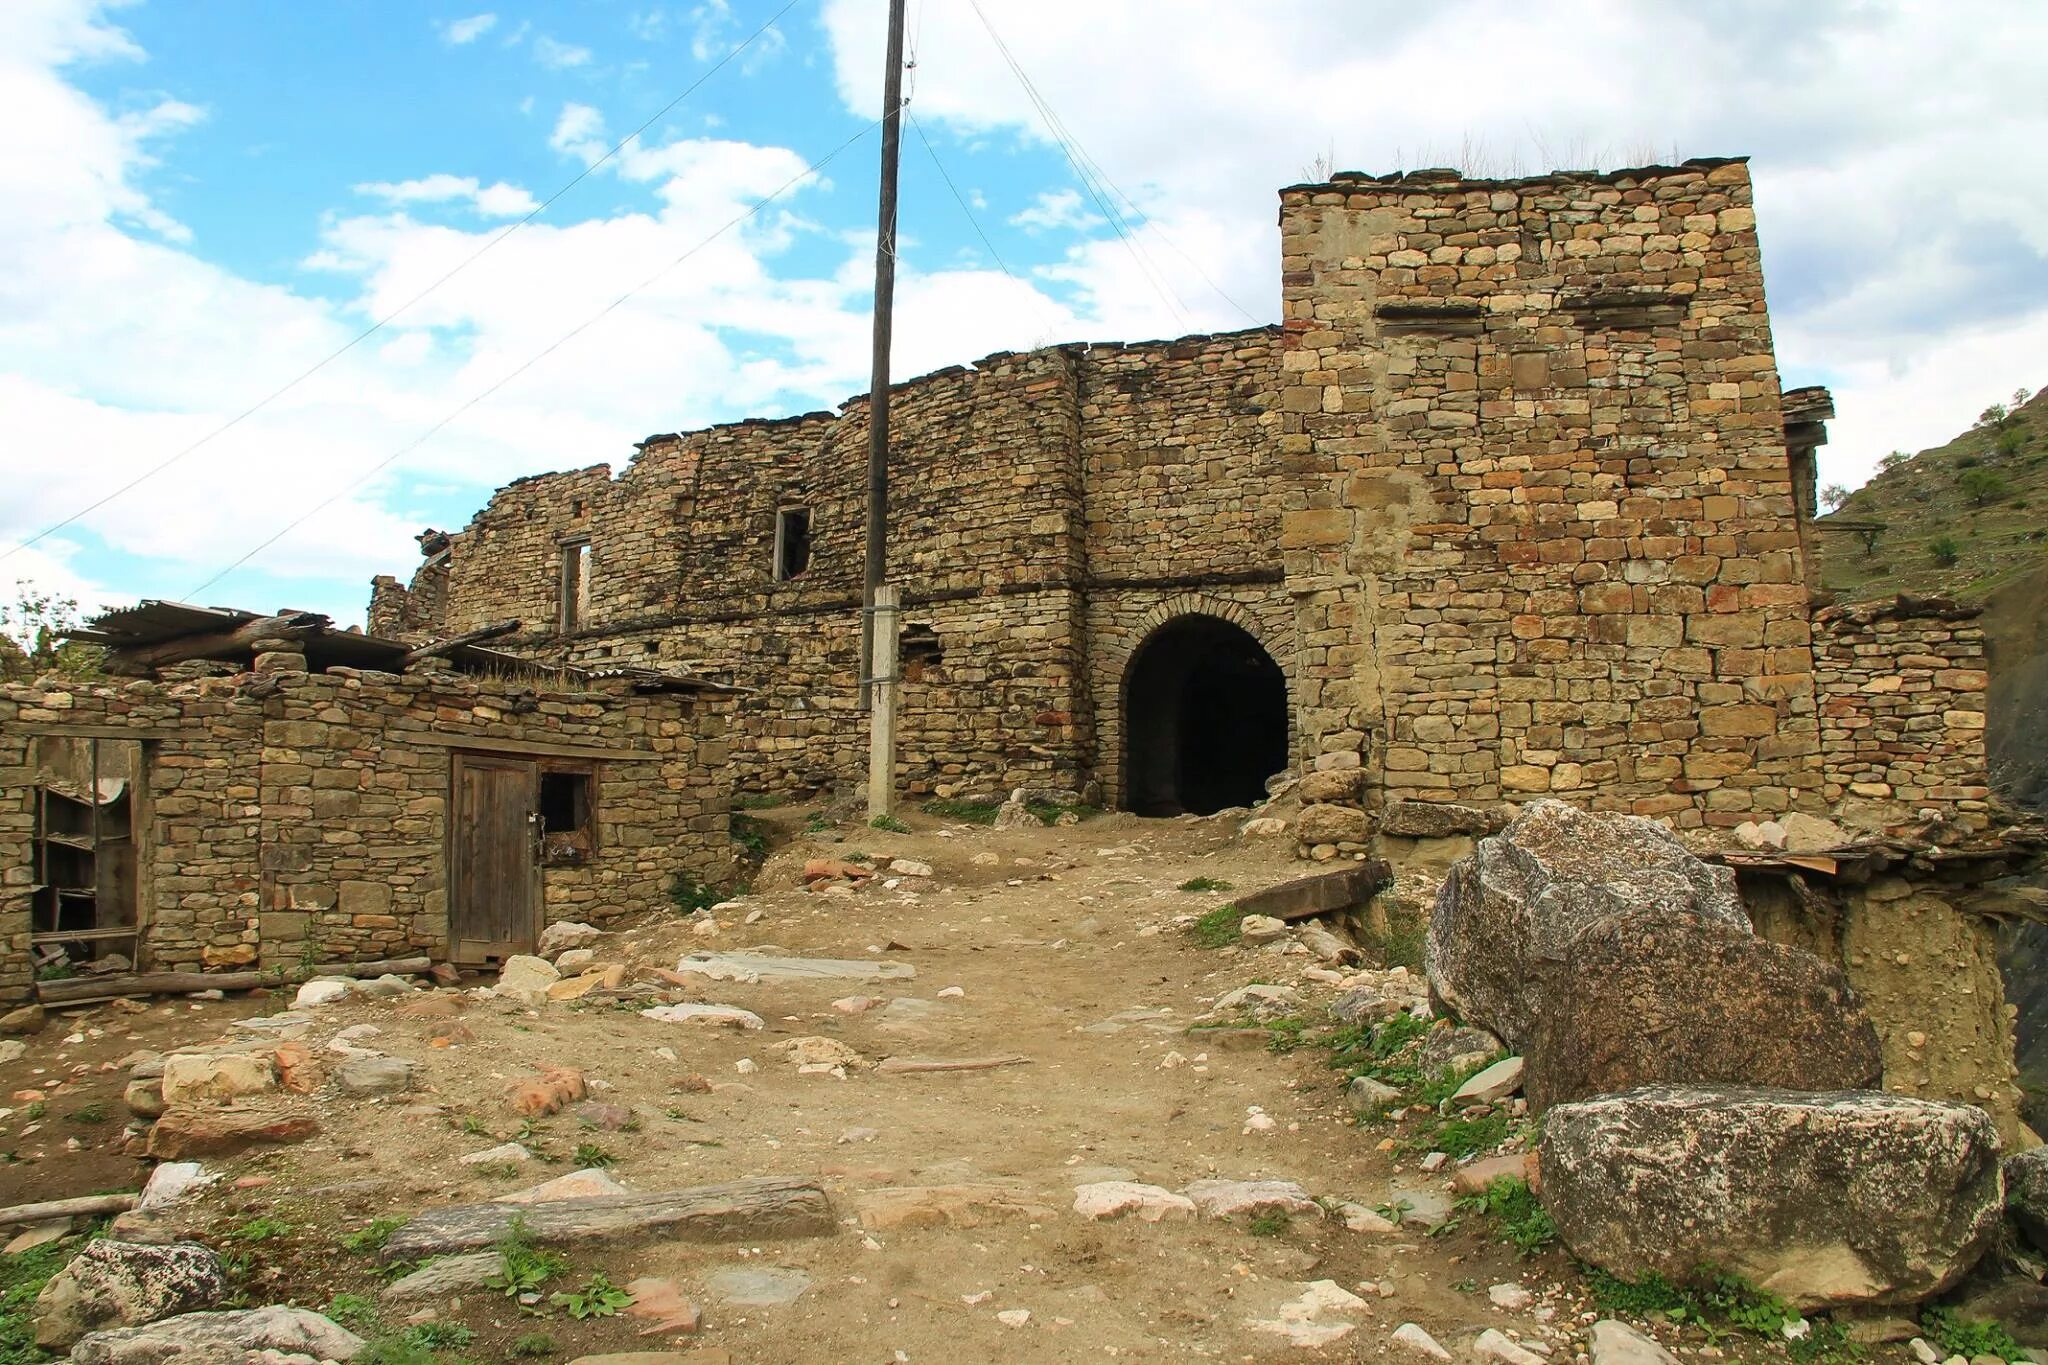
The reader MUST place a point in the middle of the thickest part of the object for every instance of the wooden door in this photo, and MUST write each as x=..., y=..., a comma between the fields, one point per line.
x=493, y=858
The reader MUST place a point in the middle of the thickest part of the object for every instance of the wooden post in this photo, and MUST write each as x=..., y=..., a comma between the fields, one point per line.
x=882, y=714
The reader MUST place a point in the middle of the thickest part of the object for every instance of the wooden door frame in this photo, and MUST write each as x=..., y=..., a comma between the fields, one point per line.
x=479, y=951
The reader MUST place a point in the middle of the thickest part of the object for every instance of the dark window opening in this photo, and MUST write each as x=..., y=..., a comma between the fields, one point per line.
x=650, y=647
x=82, y=892
x=576, y=508
x=566, y=824
x=575, y=584
x=792, y=542
x=919, y=649
x=1205, y=719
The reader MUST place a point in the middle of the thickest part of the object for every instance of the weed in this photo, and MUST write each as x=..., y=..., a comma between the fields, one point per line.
x=1204, y=884
x=357, y=1312
x=590, y=1154
x=1218, y=928
x=1049, y=812
x=88, y=1113
x=599, y=1298
x=473, y=1126
x=60, y=970
x=889, y=823
x=36, y=1111
x=1517, y=1216
x=264, y=1229
x=522, y=1265
x=1471, y=1136
x=533, y=1345
x=1968, y=1337
x=497, y=1170
x=969, y=812
x=370, y=1239
x=22, y=1277
x=1716, y=1302
x=818, y=823
x=752, y=836
x=438, y=1336
x=1271, y=1223
x=398, y=1350
x=689, y=895
x=756, y=801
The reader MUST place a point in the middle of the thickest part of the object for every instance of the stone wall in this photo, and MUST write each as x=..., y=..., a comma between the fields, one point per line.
x=1902, y=710
x=289, y=817
x=1548, y=509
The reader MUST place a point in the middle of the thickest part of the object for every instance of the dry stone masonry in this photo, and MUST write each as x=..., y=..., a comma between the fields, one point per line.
x=1511, y=501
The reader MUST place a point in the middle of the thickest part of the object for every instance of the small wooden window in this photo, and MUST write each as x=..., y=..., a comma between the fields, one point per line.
x=575, y=584
x=792, y=542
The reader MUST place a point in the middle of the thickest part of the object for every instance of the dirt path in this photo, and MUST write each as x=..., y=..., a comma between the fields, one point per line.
x=1066, y=947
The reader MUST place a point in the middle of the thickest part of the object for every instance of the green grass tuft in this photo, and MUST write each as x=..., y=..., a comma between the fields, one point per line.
x=1204, y=884
x=1218, y=928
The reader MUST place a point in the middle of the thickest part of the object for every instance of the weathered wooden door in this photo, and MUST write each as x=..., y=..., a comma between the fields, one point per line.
x=493, y=858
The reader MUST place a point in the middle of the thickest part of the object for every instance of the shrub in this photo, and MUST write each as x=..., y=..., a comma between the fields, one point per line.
x=1946, y=550
x=1984, y=485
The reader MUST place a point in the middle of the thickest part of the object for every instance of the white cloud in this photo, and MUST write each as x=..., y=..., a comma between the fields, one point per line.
x=559, y=56
x=715, y=31
x=1892, y=142
x=1057, y=210
x=457, y=32
x=498, y=200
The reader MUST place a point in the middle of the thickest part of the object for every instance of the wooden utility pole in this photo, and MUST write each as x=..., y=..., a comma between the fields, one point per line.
x=882, y=746
x=882, y=714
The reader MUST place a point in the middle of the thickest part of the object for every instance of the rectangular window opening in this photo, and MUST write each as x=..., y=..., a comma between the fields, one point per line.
x=792, y=542
x=83, y=893
x=575, y=584
x=567, y=826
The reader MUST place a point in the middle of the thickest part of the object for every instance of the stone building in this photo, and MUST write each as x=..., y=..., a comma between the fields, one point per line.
x=318, y=798
x=1510, y=503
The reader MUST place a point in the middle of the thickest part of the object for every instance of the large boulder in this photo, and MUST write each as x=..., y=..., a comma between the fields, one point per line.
x=124, y=1284
x=204, y=1338
x=2026, y=1194
x=1507, y=913
x=1650, y=997
x=1327, y=823
x=1823, y=1199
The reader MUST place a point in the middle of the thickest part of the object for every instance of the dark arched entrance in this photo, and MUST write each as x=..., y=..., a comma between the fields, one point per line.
x=1205, y=719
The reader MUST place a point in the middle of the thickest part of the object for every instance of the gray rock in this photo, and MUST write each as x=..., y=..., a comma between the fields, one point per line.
x=1508, y=913
x=145, y=1099
x=762, y=1287
x=1325, y=823
x=1823, y=1199
x=1656, y=998
x=2026, y=1194
x=1617, y=1343
x=1453, y=1048
x=568, y=934
x=123, y=1284
x=447, y=1275
x=1258, y=929
x=1423, y=1205
x=1431, y=820
x=364, y=1077
x=526, y=979
x=23, y=1019
x=1490, y=1086
x=1363, y=1005
x=210, y=1338
x=1371, y=1098
x=384, y=986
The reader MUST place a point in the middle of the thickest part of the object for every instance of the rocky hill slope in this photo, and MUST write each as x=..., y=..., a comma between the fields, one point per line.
x=1958, y=520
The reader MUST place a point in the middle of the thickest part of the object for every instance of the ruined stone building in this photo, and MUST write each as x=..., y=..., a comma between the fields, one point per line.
x=1512, y=502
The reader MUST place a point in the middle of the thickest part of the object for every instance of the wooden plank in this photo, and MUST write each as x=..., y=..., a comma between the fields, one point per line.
x=453, y=642
x=230, y=643
x=1307, y=897
x=68, y=1208
x=87, y=989
x=929, y=1066
x=763, y=1209
x=484, y=745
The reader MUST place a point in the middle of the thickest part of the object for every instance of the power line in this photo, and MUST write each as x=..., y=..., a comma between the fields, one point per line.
x=1088, y=172
x=380, y=323
x=974, y=221
x=528, y=363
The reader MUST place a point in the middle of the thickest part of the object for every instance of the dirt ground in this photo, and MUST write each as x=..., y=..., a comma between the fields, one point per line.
x=1068, y=947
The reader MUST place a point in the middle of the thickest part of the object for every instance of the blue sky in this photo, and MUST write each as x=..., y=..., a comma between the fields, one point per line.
x=209, y=196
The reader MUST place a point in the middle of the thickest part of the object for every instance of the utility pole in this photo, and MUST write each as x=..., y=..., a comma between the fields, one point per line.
x=876, y=661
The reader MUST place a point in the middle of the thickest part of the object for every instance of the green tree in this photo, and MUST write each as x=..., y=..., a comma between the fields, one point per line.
x=1984, y=485
x=31, y=638
x=1833, y=496
x=1893, y=461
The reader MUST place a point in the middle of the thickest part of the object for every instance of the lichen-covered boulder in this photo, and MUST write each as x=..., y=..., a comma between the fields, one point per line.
x=209, y=1337
x=1507, y=913
x=1653, y=998
x=122, y=1284
x=1450, y=1048
x=1823, y=1199
x=2026, y=1194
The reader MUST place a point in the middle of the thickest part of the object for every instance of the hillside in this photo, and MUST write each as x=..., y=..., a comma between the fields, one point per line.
x=1958, y=520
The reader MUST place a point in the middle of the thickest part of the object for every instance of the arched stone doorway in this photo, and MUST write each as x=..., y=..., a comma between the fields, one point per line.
x=1205, y=719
